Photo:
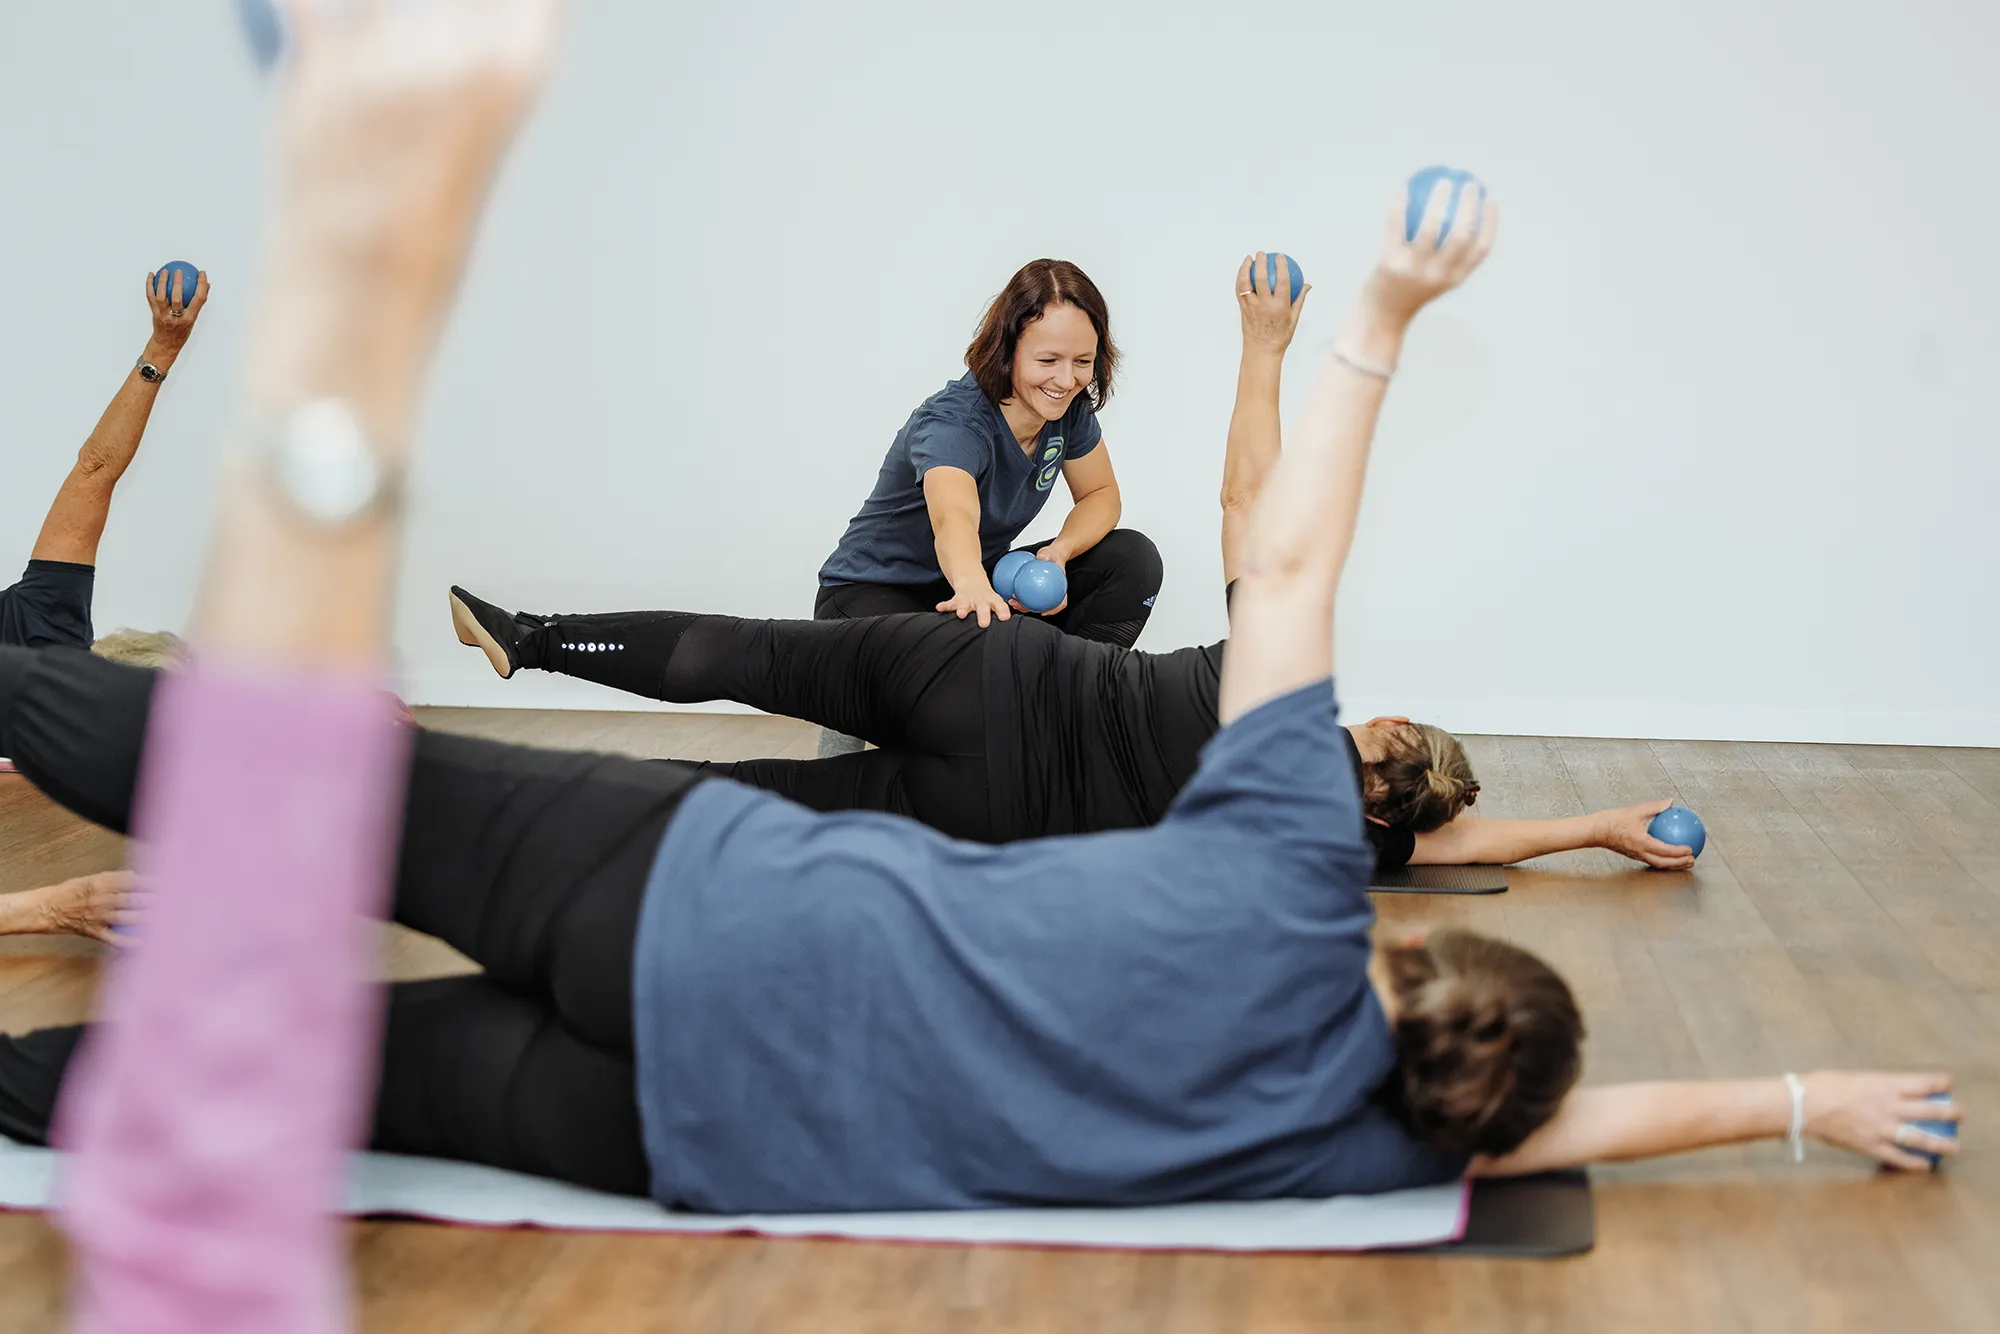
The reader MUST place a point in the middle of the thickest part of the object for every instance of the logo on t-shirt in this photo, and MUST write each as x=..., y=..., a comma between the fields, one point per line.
x=1051, y=464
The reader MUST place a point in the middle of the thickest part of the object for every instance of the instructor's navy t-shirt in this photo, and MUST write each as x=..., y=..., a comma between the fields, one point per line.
x=891, y=542
x=853, y=1012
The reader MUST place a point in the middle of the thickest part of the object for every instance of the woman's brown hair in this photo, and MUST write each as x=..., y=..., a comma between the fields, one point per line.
x=1038, y=285
x=1488, y=1041
x=1423, y=783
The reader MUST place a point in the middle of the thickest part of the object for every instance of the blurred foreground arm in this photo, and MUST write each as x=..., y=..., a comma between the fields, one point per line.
x=212, y=1113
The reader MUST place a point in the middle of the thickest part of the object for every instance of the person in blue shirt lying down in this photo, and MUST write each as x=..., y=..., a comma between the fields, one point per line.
x=705, y=993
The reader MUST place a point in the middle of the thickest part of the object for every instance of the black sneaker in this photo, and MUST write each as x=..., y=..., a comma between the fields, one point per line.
x=507, y=641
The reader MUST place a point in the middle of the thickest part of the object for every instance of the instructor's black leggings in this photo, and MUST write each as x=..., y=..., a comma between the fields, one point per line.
x=533, y=863
x=1111, y=592
x=914, y=685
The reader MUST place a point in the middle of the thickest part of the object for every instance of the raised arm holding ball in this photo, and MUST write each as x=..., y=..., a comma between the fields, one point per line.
x=51, y=604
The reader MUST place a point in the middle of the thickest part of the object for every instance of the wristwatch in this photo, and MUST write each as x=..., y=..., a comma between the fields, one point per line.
x=319, y=458
x=148, y=372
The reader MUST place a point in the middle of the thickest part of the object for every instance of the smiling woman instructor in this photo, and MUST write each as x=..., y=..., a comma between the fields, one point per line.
x=976, y=462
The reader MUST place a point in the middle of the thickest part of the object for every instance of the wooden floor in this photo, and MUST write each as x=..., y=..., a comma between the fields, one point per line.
x=1847, y=913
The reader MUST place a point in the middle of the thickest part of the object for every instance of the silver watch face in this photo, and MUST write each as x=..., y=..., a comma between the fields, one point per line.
x=150, y=373
x=323, y=463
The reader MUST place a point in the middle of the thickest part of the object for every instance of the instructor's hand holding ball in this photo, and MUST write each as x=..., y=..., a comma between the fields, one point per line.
x=1058, y=557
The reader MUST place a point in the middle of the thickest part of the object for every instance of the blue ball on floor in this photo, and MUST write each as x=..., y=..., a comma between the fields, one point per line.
x=1419, y=199
x=1041, y=586
x=1269, y=282
x=1006, y=569
x=1942, y=1129
x=1681, y=827
x=190, y=276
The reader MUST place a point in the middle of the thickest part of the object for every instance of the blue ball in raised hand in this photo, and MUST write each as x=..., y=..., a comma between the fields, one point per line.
x=264, y=28
x=163, y=283
x=1269, y=282
x=1419, y=199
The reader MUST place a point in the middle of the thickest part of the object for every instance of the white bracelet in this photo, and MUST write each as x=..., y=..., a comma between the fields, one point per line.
x=1796, y=1136
x=1365, y=367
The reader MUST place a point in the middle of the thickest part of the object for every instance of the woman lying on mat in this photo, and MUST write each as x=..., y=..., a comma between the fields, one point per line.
x=975, y=464
x=705, y=993
x=1020, y=732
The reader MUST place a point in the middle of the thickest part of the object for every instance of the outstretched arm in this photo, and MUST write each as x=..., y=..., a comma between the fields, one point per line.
x=1472, y=840
x=1281, y=624
x=1255, y=437
x=1863, y=1113
x=75, y=522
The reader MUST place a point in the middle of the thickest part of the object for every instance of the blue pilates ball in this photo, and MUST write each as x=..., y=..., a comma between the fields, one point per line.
x=190, y=275
x=263, y=28
x=1419, y=199
x=1942, y=1129
x=1681, y=827
x=1269, y=282
x=1041, y=586
x=1007, y=569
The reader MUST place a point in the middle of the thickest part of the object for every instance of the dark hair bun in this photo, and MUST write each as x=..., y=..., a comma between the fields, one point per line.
x=1488, y=1042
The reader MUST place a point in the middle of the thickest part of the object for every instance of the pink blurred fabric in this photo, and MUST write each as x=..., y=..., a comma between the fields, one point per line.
x=210, y=1114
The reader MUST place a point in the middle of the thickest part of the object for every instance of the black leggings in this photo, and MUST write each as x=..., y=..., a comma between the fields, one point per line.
x=533, y=863
x=1111, y=592
x=914, y=685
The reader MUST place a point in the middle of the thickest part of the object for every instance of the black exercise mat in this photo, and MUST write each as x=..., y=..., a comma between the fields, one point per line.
x=1442, y=880
x=1527, y=1218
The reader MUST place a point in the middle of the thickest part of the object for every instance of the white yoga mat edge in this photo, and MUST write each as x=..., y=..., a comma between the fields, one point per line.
x=461, y=1194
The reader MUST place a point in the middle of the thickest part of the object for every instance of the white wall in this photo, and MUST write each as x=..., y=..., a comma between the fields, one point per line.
x=1706, y=452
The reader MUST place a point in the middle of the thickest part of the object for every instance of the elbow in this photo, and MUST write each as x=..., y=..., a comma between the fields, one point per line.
x=95, y=471
x=92, y=463
x=1272, y=563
